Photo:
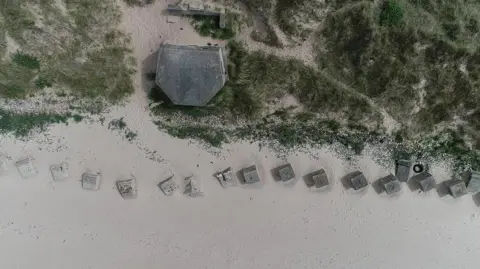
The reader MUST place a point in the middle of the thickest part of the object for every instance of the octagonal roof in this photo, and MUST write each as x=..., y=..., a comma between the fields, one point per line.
x=191, y=75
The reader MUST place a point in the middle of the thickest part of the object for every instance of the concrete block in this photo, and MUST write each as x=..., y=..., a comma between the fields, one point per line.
x=425, y=181
x=91, y=181
x=457, y=188
x=285, y=173
x=250, y=175
x=226, y=178
x=168, y=186
x=390, y=184
x=473, y=178
x=402, y=170
x=127, y=188
x=319, y=179
x=192, y=187
x=358, y=180
x=59, y=172
x=26, y=168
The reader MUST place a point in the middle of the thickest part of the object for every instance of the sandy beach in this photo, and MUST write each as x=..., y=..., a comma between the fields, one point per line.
x=48, y=224
x=60, y=225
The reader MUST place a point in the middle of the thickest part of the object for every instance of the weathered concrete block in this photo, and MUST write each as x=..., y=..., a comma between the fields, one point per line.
x=26, y=168
x=319, y=179
x=226, y=178
x=168, y=186
x=402, y=170
x=192, y=187
x=91, y=181
x=473, y=178
x=425, y=181
x=127, y=188
x=59, y=172
x=390, y=184
x=250, y=175
x=358, y=180
x=457, y=188
x=285, y=173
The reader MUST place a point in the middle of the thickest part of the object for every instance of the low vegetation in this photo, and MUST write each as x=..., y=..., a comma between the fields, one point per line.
x=21, y=125
x=210, y=26
x=120, y=126
x=414, y=60
x=70, y=44
x=89, y=42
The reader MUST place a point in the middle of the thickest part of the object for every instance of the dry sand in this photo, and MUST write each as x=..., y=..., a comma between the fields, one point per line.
x=46, y=224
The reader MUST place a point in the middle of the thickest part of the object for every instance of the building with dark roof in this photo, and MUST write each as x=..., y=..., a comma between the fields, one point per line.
x=191, y=75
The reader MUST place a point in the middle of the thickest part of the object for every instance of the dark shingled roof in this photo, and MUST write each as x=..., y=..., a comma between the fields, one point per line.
x=191, y=75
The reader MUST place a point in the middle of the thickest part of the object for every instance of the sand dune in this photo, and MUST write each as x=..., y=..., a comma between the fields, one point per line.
x=47, y=224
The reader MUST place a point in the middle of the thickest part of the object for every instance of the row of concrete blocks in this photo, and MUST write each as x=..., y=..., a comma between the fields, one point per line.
x=90, y=181
x=426, y=182
x=285, y=173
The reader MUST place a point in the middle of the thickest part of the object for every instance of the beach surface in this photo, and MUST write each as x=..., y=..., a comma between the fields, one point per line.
x=49, y=224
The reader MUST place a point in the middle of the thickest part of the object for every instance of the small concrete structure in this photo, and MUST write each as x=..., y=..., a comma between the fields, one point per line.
x=59, y=172
x=318, y=179
x=402, y=170
x=226, y=178
x=473, y=179
x=197, y=11
x=357, y=180
x=168, y=186
x=250, y=175
x=425, y=181
x=192, y=187
x=457, y=188
x=127, y=188
x=390, y=184
x=26, y=168
x=191, y=75
x=285, y=173
x=91, y=181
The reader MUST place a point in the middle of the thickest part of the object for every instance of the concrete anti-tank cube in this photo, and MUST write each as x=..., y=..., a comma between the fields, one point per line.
x=168, y=186
x=358, y=180
x=250, y=175
x=26, y=168
x=91, y=181
x=390, y=184
x=59, y=172
x=127, y=188
x=285, y=172
x=319, y=179
x=457, y=188
x=226, y=178
x=425, y=181
x=192, y=187
x=473, y=178
x=402, y=170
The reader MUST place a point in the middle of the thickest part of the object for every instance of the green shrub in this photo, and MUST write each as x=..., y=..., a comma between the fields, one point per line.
x=26, y=60
x=42, y=82
x=391, y=13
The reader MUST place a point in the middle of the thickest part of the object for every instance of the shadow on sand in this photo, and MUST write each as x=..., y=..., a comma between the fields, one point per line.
x=378, y=186
x=476, y=199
